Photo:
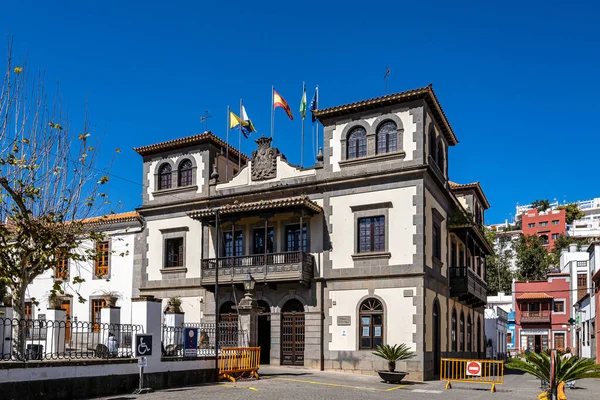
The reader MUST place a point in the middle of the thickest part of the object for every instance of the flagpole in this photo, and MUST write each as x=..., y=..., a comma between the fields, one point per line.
x=272, y=113
x=317, y=126
x=303, y=115
x=240, y=148
x=227, y=151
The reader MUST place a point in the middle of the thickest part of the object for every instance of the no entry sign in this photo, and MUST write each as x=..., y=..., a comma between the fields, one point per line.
x=473, y=368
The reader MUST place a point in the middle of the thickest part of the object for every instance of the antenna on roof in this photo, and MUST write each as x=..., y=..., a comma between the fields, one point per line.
x=387, y=73
x=205, y=118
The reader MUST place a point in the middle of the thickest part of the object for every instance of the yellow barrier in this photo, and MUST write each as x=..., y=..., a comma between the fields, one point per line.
x=237, y=360
x=472, y=371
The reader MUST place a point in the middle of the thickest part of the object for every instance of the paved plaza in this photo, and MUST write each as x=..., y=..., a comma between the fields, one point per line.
x=296, y=383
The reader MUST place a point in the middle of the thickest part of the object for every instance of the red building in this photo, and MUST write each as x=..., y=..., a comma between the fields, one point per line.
x=542, y=313
x=547, y=225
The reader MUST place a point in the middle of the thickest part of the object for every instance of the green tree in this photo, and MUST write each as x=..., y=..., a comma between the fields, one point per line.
x=532, y=258
x=498, y=274
x=566, y=370
x=572, y=212
x=541, y=205
x=49, y=183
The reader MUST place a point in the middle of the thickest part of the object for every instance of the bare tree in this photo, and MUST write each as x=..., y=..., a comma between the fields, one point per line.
x=50, y=184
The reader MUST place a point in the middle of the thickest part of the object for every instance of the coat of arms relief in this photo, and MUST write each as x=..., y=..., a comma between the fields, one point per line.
x=264, y=160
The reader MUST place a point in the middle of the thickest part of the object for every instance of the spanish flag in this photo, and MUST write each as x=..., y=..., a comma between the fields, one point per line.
x=279, y=101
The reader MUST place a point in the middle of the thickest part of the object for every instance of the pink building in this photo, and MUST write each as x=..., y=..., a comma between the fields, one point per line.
x=542, y=313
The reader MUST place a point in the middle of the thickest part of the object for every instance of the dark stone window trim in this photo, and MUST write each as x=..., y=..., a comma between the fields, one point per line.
x=174, y=233
x=368, y=211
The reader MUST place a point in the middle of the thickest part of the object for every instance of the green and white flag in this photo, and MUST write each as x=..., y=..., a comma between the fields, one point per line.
x=303, y=103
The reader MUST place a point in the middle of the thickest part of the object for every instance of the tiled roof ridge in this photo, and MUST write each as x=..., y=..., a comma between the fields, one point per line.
x=198, y=138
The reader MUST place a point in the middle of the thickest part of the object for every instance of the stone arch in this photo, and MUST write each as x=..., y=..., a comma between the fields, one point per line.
x=399, y=126
x=159, y=167
x=287, y=297
x=351, y=125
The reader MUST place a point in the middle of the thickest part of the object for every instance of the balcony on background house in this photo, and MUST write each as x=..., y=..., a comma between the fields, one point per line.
x=271, y=268
x=467, y=286
x=534, y=317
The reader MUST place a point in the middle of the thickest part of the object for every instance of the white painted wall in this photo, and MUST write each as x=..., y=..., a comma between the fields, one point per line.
x=285, y=172
x=397, y=319
x=408, y=142
x=401, y=228
x=156, y=164
x=119, y=279
x=156, y=245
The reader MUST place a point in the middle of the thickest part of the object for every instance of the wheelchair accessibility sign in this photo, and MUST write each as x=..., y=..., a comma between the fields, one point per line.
x=143, y=345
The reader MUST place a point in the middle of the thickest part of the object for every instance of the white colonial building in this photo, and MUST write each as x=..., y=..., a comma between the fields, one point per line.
x=111, y=272
x=373, y=244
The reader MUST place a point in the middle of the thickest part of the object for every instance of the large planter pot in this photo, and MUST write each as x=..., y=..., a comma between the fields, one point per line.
x=391, y=377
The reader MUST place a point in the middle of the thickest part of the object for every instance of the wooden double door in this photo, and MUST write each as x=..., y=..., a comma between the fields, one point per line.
x=292, y=333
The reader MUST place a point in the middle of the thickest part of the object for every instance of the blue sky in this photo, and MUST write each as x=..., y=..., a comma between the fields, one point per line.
x=517, y=80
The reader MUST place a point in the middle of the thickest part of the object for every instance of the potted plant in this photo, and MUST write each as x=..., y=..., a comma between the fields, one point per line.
x=392, y=354
x=54, y=302
x=110, y=297
x=174, y=304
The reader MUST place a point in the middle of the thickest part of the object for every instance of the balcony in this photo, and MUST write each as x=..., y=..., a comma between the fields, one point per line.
x=467, y=286
x=294, y=266
x=534, y=317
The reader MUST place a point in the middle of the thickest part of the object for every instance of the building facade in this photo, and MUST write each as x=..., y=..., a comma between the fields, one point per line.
x=594, y=331
x=373, y=244
x=111, y=271
x=547, y=225
x=543, y=313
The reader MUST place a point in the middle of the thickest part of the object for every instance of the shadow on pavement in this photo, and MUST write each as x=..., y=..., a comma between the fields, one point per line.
x=287, y=374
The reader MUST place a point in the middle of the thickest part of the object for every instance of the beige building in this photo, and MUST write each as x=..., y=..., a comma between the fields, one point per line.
x=373, y=244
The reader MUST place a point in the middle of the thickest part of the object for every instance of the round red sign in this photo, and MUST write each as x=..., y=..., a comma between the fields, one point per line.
x=473, y=368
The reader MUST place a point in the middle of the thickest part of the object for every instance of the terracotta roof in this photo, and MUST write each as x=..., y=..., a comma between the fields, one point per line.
x=188, y=141
x=114, y=218
x=425, y=93
x=258, y=206
x=458, y=187
x=535, y=296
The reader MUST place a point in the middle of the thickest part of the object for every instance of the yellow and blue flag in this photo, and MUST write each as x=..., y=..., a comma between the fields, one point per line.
x=246, y=123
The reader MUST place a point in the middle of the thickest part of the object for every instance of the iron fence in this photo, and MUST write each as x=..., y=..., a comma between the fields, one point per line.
x=229, y=336
x=25, y=340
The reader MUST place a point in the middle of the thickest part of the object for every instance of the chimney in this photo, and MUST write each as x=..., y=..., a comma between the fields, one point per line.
x=572, y=247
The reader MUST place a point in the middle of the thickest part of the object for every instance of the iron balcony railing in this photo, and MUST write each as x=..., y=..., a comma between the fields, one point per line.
x=536, y=316
x=273, y=267
x=467, y=286
x=26, y=339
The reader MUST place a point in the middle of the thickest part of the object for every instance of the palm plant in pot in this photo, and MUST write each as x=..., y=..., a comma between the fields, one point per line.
x=392, y=354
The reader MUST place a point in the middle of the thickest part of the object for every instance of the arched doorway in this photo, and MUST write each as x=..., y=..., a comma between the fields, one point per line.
x=436, y=332
x=264, y=332
x=292, y=333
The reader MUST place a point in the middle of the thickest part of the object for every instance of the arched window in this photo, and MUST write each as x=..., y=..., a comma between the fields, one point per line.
x=227, y=313
x=432, y=144
x=453, y=337
x=264, y=307
x=357, y=143
x=469, y=333
x=185, y=173
x=387, y=137
x=461, y=337
x=371, y=323
x=293, y=305
x=440, y=155
x=164, y=177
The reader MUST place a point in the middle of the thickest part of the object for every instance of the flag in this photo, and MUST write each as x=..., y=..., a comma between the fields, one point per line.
x=313, y=103
x=247, y=125
x=279, y=101
x=303, y=103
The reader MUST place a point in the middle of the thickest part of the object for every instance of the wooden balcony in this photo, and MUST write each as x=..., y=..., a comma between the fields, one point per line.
x=535, y=317
x=467, y=286
x=294, y=266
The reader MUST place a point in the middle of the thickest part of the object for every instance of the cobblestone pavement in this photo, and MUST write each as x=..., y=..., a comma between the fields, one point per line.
x=294, y=383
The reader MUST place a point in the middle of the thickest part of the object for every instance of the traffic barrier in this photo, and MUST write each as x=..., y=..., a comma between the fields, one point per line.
x=238, y=360
x=472, y=371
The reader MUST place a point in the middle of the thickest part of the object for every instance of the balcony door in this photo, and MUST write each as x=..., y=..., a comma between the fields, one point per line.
x=260, y=241
x=294, y=238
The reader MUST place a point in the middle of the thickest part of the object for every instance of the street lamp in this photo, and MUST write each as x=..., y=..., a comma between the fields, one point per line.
x=249, y=283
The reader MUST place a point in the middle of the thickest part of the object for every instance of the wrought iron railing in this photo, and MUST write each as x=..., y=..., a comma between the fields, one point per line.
x=229, y=336
x=25, y=340
x=252, y=260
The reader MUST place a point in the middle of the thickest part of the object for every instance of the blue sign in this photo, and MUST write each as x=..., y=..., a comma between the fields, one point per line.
x=190, y=342
x=510, y=330
x=143, y=345
x=511, y=316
